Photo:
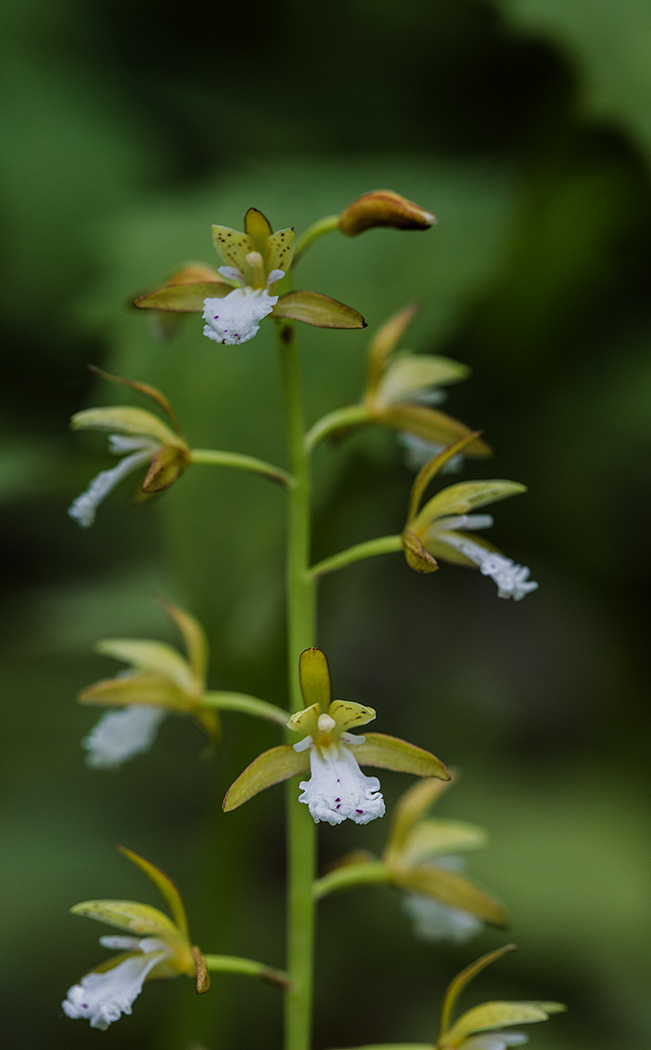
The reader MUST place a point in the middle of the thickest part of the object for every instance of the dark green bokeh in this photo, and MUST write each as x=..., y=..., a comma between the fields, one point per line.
x=525, y=125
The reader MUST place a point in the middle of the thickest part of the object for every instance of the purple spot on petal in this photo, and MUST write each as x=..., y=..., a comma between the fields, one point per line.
x=360, y=811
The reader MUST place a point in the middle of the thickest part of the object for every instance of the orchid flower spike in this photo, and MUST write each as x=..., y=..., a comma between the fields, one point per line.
x=337, y=789
x=141, y=438
x=481, y=1028
x=151, y=946
x=444, y=526
x=159, y=681
x=422, y=858
x=236, y=297
x=403, y=388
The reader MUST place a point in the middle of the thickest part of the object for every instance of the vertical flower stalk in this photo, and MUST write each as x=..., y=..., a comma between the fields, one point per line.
x=301, y=628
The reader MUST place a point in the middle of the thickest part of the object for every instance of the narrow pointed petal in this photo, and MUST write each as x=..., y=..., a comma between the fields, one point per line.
x=435, y=838
x=271, y=767
x=411, y=808
x=459, y=983
x=318, y=310
x=432, y=425
x=389, y=752
x=164, y=885
x=142, y=388
x=451, y=888
x=384, y=342
x=184, y=298
x=316, y=685
x=194, y=637
x=431, y=469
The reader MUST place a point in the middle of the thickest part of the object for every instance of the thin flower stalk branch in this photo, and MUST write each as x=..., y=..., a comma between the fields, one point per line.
x=216, y=458
x=368, y=549
x=246, y=967
x=301, y=632
x=340, y=419
x=247, y=705
x=328, y=224
x=373, y=872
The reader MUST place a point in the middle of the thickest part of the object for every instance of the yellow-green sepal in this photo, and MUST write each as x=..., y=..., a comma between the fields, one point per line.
x=451, y=888
x=306, y=721
x=318, y=310
x=185, y=290
x=316, y=684
x=151, y=656
x=390, y=752
x=431, y=469
x=418, y=558
x=130, y=916
x=125, y=420
x=431, y=838
x=201, y=970
x=413, y=373
x=491, y=1016
x=271, y=767
x=145, y=689
x=165, y=886
x=465, y=497
x=432, y=425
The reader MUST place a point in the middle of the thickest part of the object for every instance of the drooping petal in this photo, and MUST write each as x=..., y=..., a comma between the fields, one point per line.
x=119, y=735
x=84, y=508
x=235, y=318
x=102, y=998
x=337, y=788
x=271, y=767
x=495, y=1041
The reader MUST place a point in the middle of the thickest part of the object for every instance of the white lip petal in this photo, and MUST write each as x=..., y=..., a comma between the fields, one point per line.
x=121, y=734
x=84, y=508
x=512, y=580
x=337, y=788
x=235, y=318
x=102, y=998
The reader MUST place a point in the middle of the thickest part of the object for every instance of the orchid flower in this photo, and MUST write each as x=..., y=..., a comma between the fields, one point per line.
x=337, y=788
x=159, y=681
x=444, y=528
x=152, y=946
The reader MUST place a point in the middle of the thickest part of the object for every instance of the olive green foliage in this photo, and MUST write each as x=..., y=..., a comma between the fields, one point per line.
x=127, y=130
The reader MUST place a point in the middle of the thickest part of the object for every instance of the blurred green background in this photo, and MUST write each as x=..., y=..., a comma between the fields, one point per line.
x=526, y=126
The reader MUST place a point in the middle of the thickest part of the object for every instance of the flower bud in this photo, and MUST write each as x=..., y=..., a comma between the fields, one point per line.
x=383, y=208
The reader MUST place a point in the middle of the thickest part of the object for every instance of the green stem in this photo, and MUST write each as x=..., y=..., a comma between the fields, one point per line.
x=247, y=705
x=301, y=628
x=216, y=458
x=247, y=967
x=382, y=545
x=340, y=419
x=351, y=875
x=326, y=225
